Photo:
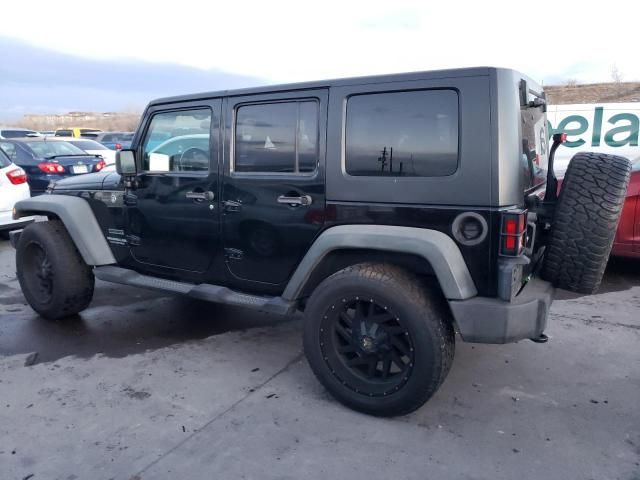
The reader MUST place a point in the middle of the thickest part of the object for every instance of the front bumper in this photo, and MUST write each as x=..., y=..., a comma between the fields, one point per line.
x=491, y=320
x=8, y=223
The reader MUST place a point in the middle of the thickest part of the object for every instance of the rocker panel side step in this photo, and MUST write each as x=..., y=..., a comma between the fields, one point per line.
x=203, y=291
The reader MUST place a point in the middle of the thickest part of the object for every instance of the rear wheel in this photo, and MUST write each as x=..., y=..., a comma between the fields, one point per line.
x=53, y=276
x=585, y=221
x=378, y=339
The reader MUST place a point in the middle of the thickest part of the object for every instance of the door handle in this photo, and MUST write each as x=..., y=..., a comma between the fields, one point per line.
x=200, y=195
x=304, y=200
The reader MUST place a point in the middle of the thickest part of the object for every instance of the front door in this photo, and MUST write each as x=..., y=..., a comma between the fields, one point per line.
x=273, y=195
x=173, y=212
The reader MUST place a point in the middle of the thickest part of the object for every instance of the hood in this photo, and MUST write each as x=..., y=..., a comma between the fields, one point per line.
x=89, y=181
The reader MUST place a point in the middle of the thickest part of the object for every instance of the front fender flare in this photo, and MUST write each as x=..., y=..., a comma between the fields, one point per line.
x=79, y=220
x=437, y=248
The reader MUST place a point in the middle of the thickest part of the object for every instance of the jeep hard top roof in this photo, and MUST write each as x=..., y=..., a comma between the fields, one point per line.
x=395, y=77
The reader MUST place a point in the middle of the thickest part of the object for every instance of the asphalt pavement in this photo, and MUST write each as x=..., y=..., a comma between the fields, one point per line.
x=148, y=386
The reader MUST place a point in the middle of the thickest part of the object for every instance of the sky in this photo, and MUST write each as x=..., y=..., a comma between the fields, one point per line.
x=189, y=46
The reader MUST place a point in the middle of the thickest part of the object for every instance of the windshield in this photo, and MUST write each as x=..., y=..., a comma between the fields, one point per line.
x=4, y=159
x=51, y=149
x=89, y=145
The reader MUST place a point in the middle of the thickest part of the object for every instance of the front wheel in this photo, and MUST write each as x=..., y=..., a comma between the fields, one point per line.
x=54, y=278
x=378, y=338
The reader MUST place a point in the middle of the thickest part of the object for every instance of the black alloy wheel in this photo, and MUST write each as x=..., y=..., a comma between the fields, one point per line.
x=366, y=346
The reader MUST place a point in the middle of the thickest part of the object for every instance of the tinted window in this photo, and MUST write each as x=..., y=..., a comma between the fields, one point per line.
x=9, y=149
x=89, y=145
x=107, y=138
x=534, y=145
x=64, y=133
x=17, y=133
x=178, y=142
x=277, y=137
x=412, y=134
x=4, y=159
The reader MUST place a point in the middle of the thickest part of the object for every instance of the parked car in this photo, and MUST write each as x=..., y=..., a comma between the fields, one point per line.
x=46, y=160
x=76, y=132
x=94, y=148
x=17, y=133
x=627, y=240
x=13, y=188
x=47, y=133
x=115, y=140
x=392, y=210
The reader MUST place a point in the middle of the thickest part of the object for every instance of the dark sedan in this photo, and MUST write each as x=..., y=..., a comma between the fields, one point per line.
x=45, y=161
x=113, y=140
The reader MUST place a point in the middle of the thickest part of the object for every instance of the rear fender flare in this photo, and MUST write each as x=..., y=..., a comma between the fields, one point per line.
x=437, y=248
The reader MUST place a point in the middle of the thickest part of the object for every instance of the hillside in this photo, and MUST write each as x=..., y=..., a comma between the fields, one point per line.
x=593, y=93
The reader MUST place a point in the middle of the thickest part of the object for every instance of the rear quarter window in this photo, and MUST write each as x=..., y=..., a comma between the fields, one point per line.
x=402, y=134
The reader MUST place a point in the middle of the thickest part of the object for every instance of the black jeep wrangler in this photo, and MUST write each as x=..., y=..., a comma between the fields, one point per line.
x=392, y=210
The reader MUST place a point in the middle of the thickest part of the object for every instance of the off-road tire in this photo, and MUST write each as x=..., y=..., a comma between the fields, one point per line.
x=420, y=309
x=54, y=278
x=585, y=221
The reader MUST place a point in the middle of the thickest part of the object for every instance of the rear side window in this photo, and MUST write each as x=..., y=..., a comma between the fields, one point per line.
x=4, y=159
x=402, y=134
x=277, y=137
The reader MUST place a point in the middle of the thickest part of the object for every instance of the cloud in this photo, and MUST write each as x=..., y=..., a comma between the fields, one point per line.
x=36, y=80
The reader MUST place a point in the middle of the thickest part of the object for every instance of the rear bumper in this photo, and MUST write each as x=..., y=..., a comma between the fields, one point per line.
x=491, y=320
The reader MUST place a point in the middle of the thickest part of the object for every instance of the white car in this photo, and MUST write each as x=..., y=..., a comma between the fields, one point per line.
x=13, y=187
x=93, y=148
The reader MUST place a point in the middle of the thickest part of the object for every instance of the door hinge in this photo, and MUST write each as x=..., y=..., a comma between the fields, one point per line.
x=130, y=199
x=233, y=253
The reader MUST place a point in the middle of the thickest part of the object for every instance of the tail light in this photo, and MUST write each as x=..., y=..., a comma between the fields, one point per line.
x=100, y=165
x=513, y=233
x=17, y=176
x=118, y=146
x=51, y=167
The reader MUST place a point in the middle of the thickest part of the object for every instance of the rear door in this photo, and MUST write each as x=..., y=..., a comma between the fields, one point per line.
x=273, y=194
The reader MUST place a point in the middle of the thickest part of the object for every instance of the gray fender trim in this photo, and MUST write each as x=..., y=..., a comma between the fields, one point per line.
x=436, y=247
x=79, y=221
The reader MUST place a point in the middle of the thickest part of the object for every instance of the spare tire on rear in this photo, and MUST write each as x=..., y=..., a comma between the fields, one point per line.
x=585, y=221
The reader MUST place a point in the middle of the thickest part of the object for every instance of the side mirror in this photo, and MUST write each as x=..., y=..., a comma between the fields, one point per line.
x=126, y=163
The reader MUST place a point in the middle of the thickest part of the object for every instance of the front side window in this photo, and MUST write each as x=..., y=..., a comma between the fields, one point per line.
x=410, y=134
x=178, y=142
x=277, y=137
